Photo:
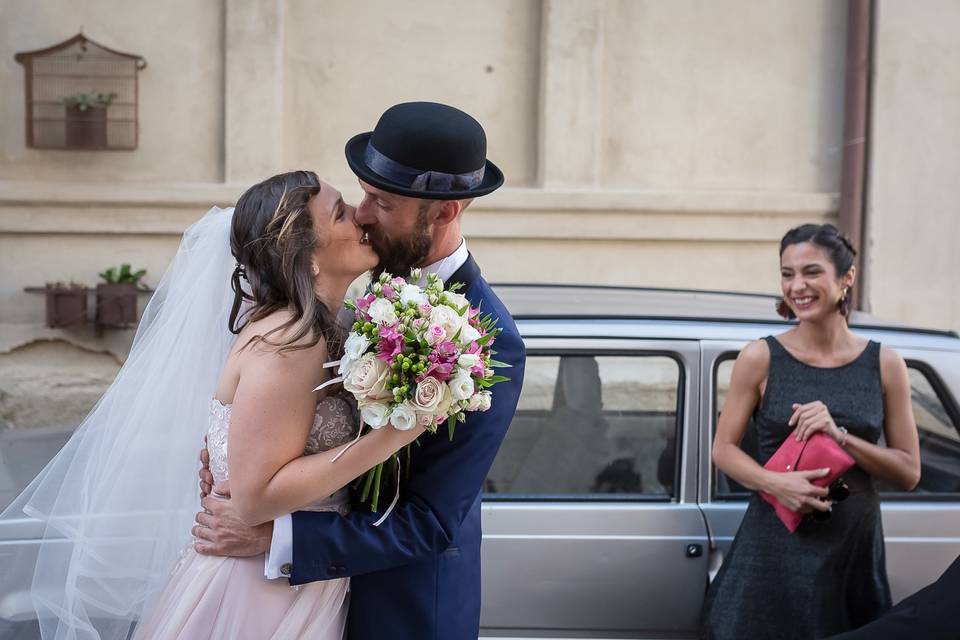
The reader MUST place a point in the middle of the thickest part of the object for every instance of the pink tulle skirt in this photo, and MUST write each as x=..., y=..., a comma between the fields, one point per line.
x=218, y=598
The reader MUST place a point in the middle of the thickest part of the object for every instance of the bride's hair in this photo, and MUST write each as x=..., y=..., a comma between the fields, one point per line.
x=272, y=238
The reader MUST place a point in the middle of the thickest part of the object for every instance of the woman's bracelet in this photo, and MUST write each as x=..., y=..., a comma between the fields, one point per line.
x=843, y=436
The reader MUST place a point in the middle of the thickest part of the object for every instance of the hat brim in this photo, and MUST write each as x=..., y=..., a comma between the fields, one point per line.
x=356, y=146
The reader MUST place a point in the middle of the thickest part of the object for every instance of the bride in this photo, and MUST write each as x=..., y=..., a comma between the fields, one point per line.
x=118, y=501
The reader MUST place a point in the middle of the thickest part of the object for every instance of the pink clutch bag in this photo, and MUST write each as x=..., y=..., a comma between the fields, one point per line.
x=820, y=451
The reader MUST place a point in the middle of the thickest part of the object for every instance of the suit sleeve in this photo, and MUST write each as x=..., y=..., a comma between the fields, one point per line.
x=437, y=498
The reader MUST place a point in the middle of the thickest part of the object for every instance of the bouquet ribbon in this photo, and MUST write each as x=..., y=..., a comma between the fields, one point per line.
x=396, y=495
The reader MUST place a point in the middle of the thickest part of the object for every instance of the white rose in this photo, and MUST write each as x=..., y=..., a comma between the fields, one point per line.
x=468, y=334
x=432, y=397
x=404, y=416
x=382, y=312
x=412, y=293
x=486, y=399
x=367, y=379
x=468, y=360
x=374, y=413
x=456, y=299
x=447, y=318
x=461, y=386
x=354, y=347
x=473, y=404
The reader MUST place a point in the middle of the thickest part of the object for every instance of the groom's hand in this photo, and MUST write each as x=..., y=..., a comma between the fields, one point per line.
x=219, y=532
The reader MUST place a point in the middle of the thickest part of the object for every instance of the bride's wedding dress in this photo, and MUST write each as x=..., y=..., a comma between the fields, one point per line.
x=229, y=598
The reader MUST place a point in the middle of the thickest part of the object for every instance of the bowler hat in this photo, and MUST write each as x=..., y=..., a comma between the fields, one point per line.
x=425, y=150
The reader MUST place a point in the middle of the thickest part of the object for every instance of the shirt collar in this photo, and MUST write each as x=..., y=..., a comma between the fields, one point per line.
x=448, y=266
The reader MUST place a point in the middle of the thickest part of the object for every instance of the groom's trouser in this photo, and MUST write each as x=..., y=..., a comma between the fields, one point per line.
x=930, y=614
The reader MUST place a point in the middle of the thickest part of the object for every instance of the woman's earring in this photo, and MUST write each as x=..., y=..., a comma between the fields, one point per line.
x=845, y=302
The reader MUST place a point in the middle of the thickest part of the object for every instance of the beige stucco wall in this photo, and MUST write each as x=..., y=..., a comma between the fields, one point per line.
x=181, y=91
x=913, y=262
x=344, y=63
x=644, y=142
x=729, y=95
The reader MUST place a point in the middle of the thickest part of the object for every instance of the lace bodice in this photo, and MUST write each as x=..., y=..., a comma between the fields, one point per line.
x=334, y=423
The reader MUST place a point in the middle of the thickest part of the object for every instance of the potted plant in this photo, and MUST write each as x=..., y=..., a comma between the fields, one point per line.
x=86, y=122
x=117, y=296
x=66, y=304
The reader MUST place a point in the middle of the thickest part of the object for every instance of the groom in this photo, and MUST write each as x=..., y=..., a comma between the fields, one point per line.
x=417, y=575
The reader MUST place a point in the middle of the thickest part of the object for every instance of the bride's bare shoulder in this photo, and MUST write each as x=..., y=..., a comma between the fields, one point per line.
x=275, y=336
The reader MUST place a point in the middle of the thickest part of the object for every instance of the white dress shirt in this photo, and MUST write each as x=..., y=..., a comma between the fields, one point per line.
x=278, y=563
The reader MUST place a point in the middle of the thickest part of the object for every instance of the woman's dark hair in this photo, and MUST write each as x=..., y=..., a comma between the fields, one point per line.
x=835, y=245
x=273, y=239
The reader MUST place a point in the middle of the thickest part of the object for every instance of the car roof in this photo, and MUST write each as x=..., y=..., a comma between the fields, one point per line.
x=581, y=302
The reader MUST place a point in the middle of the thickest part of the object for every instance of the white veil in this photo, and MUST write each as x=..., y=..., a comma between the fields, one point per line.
x=118, y=501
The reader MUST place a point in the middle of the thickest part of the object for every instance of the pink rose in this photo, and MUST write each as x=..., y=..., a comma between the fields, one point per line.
x=434, y=334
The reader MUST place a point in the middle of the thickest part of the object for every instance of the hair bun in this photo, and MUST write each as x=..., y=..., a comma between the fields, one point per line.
x=846, y=242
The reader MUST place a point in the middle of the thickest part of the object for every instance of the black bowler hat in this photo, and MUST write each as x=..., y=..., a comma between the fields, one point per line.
x=425, y=150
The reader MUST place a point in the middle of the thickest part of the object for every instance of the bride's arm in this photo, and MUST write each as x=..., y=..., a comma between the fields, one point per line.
x=273, y=411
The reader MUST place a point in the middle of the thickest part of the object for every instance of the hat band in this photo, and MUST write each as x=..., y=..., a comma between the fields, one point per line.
x=418, y=180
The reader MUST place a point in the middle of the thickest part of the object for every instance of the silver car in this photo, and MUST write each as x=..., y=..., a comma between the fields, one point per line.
x=603, y=515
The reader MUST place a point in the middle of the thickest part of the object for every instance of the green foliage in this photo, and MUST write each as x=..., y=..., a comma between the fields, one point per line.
x=123, y=275
x=59, y=284
x=89, y=100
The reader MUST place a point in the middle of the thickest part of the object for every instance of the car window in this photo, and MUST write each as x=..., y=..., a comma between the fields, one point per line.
x=939, y=437
x=936, y=423
x=592, y=425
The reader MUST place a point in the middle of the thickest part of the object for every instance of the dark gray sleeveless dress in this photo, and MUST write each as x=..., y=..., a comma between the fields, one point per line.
x=827, y=577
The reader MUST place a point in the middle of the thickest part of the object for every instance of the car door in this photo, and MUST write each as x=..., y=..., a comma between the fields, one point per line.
x=921, y=527
x=591, y=526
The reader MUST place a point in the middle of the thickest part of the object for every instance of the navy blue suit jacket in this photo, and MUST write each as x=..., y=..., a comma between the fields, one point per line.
x=417, y=575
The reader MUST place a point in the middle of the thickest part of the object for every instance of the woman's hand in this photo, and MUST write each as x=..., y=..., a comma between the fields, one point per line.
x=796, y=492
x=813, y=417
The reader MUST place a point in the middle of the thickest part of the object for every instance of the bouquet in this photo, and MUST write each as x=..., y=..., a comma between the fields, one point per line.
x=417, y=356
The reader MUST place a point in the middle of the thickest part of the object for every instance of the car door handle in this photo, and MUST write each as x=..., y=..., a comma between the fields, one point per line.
x=693, y=550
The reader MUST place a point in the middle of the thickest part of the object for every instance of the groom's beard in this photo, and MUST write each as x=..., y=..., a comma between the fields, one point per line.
x=399, y=255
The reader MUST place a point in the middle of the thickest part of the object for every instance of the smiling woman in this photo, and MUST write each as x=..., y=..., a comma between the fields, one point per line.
x=816, y=377
x=812, y=249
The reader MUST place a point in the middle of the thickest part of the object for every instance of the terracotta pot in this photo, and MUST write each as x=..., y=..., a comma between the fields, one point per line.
x=66, y=306
x=86, y=129
x=116, y=305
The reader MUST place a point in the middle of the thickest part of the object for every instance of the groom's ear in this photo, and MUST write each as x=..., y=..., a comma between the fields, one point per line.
x=448, y=211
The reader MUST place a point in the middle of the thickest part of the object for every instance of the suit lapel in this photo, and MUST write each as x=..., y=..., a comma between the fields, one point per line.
x=467, y=274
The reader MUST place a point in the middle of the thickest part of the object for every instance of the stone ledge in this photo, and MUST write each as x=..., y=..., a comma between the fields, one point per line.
x=726, y=216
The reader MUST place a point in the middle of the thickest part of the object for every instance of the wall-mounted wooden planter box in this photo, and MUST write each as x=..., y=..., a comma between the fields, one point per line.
x=66, y=306
x=117, y=305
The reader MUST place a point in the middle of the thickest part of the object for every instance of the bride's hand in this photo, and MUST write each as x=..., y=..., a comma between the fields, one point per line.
x=206, y=478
